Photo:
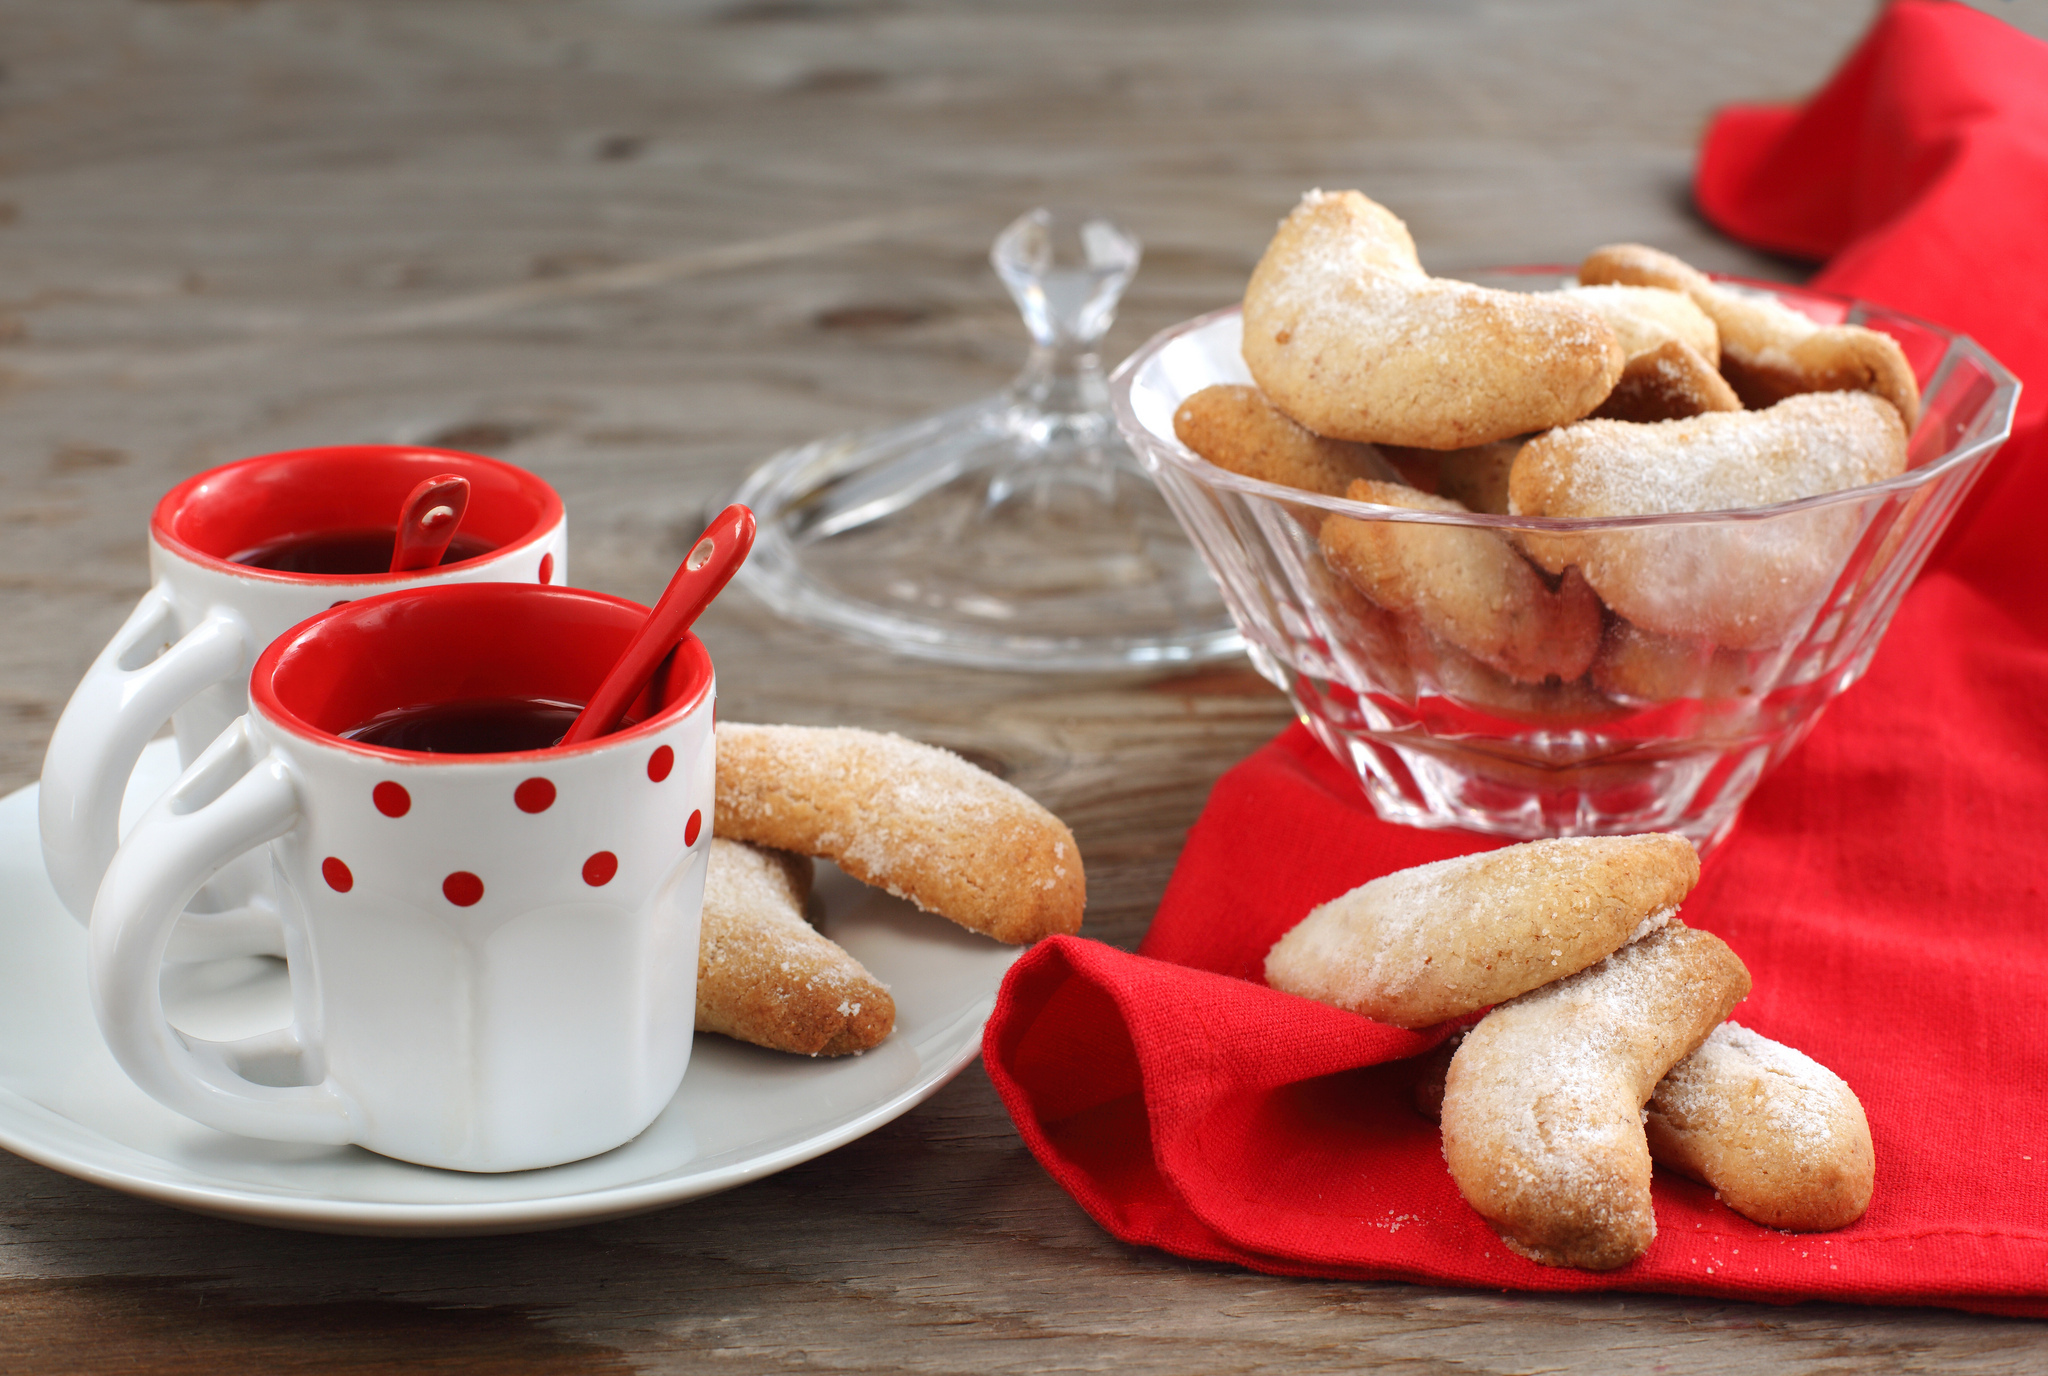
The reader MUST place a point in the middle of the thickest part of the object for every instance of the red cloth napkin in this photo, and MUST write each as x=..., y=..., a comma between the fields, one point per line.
x=1885, y=887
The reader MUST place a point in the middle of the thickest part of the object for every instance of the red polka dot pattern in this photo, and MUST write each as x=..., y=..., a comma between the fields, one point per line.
x=336, y=874
x=599, y=868
x=391, y=799
x=692, y=827
x=660, y=763
x=547, y=568
x=535, y=795
x=462, y=888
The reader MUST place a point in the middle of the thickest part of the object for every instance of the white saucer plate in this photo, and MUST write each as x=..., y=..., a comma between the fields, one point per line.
x=742, y=1112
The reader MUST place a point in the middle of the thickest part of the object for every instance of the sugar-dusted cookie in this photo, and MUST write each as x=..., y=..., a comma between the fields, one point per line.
x=1476, y=478
x=1418, y=467
x=1543, y=1105
x=1645, y=318
x=1768, y=350
x=1447, y=671
x=1636, y=665
x=913, y=819
x=1236, y=428
x=1379, y=644
x=1424, y=945
x=1669, y=382
x=1778, y=1135
x=1402, y=661
x=1347, y=334
x=1672, y=348
x=1741, y=584
x=1465, y=585
x=766, y=976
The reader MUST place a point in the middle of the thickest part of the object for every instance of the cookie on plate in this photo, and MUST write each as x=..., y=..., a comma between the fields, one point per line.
x=765, y=975
x=915, y=820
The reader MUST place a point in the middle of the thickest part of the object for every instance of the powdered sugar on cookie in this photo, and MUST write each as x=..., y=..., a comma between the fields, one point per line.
x=1348, y=335
x=1778, y=1135
x=1542, y=1106
x=1738, y=584
x=765, y=976
x=913, y=819
x=1431, y=943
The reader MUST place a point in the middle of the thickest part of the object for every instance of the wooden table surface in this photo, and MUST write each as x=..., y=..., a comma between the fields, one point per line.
x=637, y=246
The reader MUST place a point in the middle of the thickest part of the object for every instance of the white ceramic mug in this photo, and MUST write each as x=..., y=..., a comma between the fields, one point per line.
x=493, y=957
x=185, y=653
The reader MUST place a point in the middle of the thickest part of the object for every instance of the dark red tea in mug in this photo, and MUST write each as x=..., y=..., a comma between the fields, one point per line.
x=473, y=726
x=346, y=552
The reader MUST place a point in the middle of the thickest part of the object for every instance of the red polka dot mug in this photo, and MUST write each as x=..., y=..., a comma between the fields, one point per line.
x=185, y=653
x=494, y=955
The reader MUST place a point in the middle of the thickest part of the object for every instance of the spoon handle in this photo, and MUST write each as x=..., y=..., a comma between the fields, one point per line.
x=705, y=571
x=427, y=521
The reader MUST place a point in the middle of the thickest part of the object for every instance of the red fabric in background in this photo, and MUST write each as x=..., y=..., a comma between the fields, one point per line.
x=1885, y=886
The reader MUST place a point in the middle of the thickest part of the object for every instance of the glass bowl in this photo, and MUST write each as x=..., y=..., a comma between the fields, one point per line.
x=1667, y=732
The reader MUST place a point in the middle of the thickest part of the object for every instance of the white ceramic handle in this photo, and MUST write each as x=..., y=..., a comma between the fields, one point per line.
x=236, y=796
x=125, y=698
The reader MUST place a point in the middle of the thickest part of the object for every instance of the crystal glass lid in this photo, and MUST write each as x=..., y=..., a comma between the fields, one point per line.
x=1016, y=531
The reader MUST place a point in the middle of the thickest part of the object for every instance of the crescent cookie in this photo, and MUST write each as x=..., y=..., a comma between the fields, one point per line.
x=1672, y=348
x=1738, y=584
x=765, y=976
x=1347, y=334
x=1477, y=478
x=1768, y=350
x=1640, y=666
x=1779, y=1136
x=1645, y=318
x=1450, y=672
x=1464, y=585
x=1423, y=945
x=1543, y=1105
x=913, y=819
x=1401, y=660
x=1236, y=428
x=1670, y=382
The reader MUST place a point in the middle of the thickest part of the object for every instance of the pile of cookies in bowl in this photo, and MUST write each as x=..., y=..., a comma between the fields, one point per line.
x=1573, y=552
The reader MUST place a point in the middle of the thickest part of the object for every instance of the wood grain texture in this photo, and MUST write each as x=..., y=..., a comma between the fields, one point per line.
x=637, y=246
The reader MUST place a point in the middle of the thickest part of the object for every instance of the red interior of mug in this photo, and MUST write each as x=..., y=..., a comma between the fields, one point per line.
x=240, y=506
x=462, y=642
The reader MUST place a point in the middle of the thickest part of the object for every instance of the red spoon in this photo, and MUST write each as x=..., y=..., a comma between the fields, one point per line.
x=710, y=565
x=427, y=521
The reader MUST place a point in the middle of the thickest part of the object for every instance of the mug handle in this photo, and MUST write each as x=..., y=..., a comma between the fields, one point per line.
x=125, y=698
x=236, y=796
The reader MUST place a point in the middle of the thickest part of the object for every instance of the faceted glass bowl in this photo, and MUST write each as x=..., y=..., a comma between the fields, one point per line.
x=1668, y=732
